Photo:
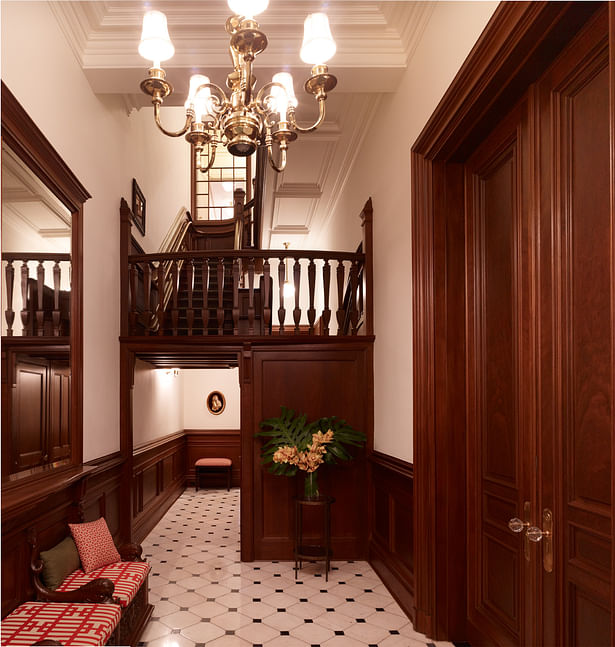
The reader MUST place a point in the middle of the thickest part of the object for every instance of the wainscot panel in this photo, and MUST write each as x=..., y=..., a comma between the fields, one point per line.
x=213, y=443
x=158, y=478
x=318, y=381
x=391, y=541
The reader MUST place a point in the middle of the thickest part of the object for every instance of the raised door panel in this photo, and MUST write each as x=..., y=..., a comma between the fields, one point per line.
x=29, y=415
x=577, y=422
x=498, y=445
x=59, y=411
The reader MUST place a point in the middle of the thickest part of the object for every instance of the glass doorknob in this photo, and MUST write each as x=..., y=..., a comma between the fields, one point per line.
x=516, y=525
x=536, y=534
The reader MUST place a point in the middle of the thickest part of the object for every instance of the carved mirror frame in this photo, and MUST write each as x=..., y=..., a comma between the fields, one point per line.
x=26, y=140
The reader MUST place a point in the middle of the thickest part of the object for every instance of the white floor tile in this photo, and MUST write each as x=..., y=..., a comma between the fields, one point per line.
x=204, y=596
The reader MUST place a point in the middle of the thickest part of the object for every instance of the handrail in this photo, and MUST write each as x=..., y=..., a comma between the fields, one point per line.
x=249, y=253
x=35, y=256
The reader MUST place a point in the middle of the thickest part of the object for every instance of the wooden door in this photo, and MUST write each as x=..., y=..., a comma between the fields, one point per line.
x=574, y=294
x=29, y=415
x=540, y=286
x=499, y=356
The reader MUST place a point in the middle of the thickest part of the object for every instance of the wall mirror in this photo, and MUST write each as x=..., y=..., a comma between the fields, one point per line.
x=42, y=204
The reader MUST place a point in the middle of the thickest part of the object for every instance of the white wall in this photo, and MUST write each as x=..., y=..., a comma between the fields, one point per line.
x=382, y=171
x=161, y=166
x=157, y=403
x=198, y=384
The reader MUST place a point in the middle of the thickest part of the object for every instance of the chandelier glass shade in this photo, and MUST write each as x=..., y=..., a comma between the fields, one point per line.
x=243, y=119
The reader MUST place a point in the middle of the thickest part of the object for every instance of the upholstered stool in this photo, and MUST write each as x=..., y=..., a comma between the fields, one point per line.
x=204, y=465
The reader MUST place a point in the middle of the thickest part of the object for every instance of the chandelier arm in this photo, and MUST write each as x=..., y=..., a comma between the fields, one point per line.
x=314, y=126
x=212, y=157
x=283, y=148
x=178, y=133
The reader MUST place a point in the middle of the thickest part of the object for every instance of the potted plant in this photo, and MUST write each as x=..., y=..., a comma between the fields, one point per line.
x=295, y=445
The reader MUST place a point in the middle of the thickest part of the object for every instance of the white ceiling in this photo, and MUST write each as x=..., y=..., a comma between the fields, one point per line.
x=33, y=219
x=374, y=42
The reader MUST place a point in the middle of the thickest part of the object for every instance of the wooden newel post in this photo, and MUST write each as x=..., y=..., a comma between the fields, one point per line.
x=125, y=234
x=368, y=272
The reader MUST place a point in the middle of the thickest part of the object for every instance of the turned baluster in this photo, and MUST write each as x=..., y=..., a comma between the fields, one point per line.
x=220, y=309
x=190, y=281
x=40, y=286
x=312, y=286
x=25, y=314
x=297, y=281
x=281, y=309
x=326, y=288
x=236, y=296
x=340, y=298
x=174, y=309
x=56, y=298
x=251, y=296
x=133, y=282
x=267, y=297
x=147, y=295
x=205, y=308
x=9, y=273
x=354, y=292
x=161, y=313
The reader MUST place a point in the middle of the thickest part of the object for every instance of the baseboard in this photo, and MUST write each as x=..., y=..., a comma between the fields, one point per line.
x=400, y=585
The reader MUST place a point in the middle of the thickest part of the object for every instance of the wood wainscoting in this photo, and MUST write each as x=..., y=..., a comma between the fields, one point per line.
x=213, y=443
x=103, y=494
x=391, y=542
x=158, y=478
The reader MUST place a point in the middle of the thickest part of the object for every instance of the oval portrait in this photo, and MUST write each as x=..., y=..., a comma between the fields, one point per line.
x=216, y=403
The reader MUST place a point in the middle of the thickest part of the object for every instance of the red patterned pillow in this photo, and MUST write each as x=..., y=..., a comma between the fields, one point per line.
x=95, y=544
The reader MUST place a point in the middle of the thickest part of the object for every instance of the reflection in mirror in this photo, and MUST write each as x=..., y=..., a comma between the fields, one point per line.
x=36, y=245
x=36, y=296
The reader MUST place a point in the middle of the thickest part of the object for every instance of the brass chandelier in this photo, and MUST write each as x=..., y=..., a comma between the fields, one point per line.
x=245, y=119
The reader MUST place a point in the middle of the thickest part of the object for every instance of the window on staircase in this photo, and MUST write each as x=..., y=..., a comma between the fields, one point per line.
x=212, y=192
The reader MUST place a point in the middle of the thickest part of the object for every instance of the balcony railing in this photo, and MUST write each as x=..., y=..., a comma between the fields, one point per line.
x=243, y=293
x=246, y=292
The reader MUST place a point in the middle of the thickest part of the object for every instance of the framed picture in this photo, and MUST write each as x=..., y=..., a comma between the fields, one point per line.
x=138, y=207
x=216, y=403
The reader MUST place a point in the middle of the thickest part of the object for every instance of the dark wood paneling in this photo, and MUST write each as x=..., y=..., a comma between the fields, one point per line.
x=213, y=443
x=317, y=381
x=391, y=545
x=158, y=478
x=520, y=43
x=103, y=494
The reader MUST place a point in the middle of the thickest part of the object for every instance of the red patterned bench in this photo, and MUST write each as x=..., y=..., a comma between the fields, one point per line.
x=61, y=623
x=124, y=583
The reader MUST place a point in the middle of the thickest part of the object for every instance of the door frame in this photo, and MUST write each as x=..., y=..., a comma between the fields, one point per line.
x=521, y=40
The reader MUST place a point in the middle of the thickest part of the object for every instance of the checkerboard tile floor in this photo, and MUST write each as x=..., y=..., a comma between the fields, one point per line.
x=205, y=596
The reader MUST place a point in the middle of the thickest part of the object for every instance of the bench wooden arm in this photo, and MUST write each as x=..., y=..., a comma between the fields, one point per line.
x=131, y=553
